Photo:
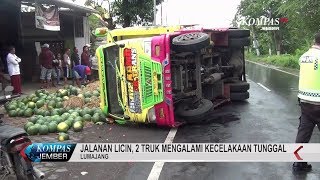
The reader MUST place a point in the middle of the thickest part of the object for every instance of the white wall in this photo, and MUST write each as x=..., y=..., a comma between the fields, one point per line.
x=81, y=41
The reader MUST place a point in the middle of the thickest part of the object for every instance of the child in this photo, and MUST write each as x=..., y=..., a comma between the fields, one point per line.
x=57, y=69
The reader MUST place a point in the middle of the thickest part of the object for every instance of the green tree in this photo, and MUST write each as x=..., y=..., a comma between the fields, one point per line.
x=133, y=12
x=303, y=21
x=104, y=15
x=125, y=12
x=295, y=36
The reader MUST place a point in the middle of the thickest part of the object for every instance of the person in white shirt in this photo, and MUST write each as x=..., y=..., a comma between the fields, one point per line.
x=14, y=70
x=66, y=65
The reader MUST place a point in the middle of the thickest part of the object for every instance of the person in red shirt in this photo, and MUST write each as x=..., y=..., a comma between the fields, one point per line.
x=85, y=56
x=46, y=58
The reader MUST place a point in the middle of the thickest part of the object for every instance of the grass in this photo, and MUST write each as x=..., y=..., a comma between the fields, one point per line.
x=284, y=60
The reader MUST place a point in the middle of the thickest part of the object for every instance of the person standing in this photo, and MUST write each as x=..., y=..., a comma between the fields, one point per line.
x=75, y=57
x=309, y=98
x=66, y=65
x=14, y=70
x=85, y=56
x=57, y=69
x=46, y=58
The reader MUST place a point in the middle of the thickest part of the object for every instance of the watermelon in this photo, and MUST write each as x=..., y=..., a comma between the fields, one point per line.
x=68, y=122
x=25, y=100
x=13, y=113
x=31, y=105
x=74, y=91
x=103, y=117
x=75, y=114
x=20, y=112
x=87, y=117
x=91, y=112
x=33, y=119
x=87, y=94
x=59, y=105
x=52, y=127
x=87, y=100
x=46, y=113
x=40, y=103
x=96, y=93
x=60, y=111
x=27, y=125
x=43, y=130
x=77, y=126
x=33, y=130
x=59, y=99
x=55, y=112
x=62, y=127
x=21, y=104
x=28, y=112
x=41, y=121
x=63, y=137
x=65, y=116
x=78, y=118
x=52, y=103
x=96, y=118
x=72, y=117
x=12, y=107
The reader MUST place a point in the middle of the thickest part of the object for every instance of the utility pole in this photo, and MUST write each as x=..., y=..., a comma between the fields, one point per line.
x=154, y=12
x=161, y=14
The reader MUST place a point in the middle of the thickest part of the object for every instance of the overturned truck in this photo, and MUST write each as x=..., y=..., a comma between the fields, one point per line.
x=171, y=77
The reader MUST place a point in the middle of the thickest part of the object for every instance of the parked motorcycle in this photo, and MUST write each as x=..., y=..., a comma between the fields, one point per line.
x=12, y=141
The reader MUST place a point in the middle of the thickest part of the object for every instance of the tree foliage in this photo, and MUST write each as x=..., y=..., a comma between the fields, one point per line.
x=124, y=12
x=303, y=22
x=133, y=12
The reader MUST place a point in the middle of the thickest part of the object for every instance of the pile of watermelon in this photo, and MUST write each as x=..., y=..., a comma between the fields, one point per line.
x=47, y=114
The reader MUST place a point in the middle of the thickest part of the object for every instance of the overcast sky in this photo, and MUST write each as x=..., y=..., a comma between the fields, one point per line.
x=214, y=13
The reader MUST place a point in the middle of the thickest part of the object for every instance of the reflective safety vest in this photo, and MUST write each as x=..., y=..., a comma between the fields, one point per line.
x=309, y=79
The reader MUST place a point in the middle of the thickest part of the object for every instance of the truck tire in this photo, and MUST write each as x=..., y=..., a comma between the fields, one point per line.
x=239, y=42
x=239, y=33
x=239, y=96
x=193, y=114
x=190, y=42
x=239, y=87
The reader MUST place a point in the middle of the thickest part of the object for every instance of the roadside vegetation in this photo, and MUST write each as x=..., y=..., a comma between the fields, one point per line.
x=283, y=60
x=298, y=22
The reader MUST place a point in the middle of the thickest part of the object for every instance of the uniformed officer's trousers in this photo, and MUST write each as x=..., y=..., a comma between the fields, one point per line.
x=310, y=116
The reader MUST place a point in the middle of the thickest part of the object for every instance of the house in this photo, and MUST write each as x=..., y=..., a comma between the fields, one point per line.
x=17, y=22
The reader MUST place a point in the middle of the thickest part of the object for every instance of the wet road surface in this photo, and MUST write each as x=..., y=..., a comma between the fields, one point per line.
x=269, y=116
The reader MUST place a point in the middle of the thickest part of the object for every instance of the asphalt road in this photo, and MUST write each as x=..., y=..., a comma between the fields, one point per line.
x=269, y=116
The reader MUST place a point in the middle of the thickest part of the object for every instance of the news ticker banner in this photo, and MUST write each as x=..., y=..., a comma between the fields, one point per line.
x=171, y=152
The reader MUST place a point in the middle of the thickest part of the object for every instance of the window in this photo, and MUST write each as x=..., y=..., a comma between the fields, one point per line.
x=78, y=27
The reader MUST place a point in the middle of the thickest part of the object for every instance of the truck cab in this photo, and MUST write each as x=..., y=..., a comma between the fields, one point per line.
x=173, y=77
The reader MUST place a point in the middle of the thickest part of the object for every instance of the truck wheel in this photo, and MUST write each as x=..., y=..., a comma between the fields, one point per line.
x=184, y=112
x=190, y=42
x=239, y=87
x=239, y=33
x=239, y=96
x=239, y=42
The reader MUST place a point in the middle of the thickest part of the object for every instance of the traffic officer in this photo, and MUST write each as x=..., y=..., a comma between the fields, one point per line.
x=309, y=96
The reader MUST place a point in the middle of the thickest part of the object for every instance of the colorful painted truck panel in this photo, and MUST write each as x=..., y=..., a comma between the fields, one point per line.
x=171, y=77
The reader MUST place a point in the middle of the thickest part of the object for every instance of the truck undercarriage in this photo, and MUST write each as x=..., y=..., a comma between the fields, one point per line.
x=199, y=72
